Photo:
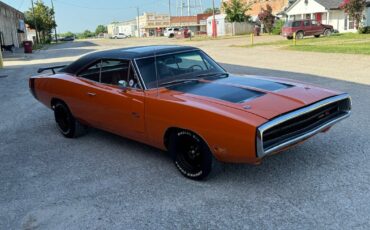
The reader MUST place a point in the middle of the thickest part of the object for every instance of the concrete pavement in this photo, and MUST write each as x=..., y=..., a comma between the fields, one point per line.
x=102, y=181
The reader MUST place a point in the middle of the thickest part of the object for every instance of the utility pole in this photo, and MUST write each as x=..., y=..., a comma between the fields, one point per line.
x=188, y=7
x=35, y=22
x=55, y=28
x=214, y=25
x=169, y=10
x=138, y=21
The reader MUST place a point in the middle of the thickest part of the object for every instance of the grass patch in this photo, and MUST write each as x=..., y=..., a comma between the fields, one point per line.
x=350, y=43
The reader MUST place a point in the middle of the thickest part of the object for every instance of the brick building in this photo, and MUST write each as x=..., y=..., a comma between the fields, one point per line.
x=276, y=5
x=12, y=27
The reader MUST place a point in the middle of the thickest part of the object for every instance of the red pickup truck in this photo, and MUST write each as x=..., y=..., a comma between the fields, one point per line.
x=305, y=28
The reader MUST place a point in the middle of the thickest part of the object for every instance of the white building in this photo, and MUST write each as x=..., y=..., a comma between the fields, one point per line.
x=220, y=21
x=127, y=27
x=326, y=12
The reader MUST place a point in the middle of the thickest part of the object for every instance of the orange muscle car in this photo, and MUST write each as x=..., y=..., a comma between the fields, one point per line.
x=178, y=99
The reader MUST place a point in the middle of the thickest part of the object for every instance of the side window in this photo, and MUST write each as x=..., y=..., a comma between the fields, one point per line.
x=92, y=72
x=296, y=24
x=306, y=23
x=112, y=71
x=314, y=23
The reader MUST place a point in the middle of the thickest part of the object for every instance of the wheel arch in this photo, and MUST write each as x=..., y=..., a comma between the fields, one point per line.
x=171, y=130
x=55, y=100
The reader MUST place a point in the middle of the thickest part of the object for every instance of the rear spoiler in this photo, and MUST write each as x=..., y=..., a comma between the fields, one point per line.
x=51, y=68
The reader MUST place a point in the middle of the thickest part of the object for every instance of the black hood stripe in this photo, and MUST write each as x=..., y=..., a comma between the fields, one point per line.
x=252, y=82
x=222, y=92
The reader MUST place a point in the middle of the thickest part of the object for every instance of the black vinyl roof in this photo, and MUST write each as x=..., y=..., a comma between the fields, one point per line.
x=124, y=53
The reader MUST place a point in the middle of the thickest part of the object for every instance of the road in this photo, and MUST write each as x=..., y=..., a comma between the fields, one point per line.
x=102, y=181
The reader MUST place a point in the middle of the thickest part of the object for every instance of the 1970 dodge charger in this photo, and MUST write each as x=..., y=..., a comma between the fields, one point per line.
x=178, y=99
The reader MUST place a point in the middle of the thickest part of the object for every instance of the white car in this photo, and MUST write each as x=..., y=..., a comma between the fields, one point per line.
x=119, y=36
x=170, y=32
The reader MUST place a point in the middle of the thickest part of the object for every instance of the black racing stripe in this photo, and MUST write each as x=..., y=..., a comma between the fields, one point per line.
x=222, y=92
x=254, y=82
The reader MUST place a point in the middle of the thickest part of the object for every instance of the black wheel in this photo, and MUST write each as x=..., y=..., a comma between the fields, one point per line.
x=171, y=36
x=299, y=35
x=327, y=32
x=289, y=37
x=317, y=35
x=190, y=154
x=66, y=123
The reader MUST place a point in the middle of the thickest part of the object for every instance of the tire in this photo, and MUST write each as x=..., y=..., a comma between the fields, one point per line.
x=66, y=123
x=327, y=32
x=299, y=35
x=317, y=35
x=190, y=154
x=289, y=37
x=171, y=36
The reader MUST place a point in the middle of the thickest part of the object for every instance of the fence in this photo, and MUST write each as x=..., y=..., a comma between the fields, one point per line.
x=238, y=28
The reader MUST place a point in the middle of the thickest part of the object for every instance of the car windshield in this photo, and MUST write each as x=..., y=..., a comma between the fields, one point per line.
x=174, y=68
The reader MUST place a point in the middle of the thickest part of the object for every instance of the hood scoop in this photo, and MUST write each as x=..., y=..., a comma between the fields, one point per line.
x=266, y=85
x=228, y=93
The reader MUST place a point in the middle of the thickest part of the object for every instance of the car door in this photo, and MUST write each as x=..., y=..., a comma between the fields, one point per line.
x=112, y=108
x=316, y=28
x=307, y=28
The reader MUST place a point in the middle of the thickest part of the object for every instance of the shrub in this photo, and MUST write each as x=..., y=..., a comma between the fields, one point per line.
x=364, y=30
x=278, y=26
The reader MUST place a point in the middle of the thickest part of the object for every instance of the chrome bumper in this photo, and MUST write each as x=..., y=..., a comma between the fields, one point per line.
x=262, y=152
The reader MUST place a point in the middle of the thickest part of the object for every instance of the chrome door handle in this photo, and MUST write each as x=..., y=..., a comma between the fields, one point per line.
x=91, y=94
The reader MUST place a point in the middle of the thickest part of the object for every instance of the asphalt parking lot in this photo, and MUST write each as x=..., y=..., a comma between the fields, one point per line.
x=102, y=181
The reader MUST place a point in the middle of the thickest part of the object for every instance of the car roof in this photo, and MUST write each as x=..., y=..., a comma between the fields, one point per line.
x=125, y=54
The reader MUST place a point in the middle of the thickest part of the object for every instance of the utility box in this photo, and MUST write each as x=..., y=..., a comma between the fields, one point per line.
x=27, y=45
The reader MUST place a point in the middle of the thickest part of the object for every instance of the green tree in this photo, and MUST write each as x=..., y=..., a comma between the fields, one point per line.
x=236, y=11
x=210, y=11
x=67, y=34
x=85, y=34
x=267, y=18
x=100, y=29
x=355, y=9
x=43, y=17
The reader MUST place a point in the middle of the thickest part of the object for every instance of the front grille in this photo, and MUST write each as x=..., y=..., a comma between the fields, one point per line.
x=295, y=125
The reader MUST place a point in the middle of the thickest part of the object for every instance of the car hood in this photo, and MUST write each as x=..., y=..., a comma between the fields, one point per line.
x=262, y=96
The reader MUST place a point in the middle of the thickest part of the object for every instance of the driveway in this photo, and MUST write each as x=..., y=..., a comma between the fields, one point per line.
x=102, y=181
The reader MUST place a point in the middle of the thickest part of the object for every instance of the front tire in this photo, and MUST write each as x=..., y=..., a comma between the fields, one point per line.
x=190, y=154
x=317, y=35
x=66, y=123
x=327, y=32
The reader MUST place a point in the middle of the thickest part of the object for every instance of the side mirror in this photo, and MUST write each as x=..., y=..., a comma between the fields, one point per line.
x=122, y=84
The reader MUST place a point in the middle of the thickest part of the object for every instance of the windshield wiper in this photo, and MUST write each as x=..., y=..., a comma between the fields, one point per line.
x=213, y=75
x=179, y=81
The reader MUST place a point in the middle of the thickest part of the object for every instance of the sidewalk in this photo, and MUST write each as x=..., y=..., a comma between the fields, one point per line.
x=18, y=54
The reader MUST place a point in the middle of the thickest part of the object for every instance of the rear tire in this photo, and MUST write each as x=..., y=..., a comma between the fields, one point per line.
x=66, y=123
x=317, y=35
x=190, y=154
x=299, y=35
x=289, y=37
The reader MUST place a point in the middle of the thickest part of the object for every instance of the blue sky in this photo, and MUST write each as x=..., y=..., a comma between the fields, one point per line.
x=78, y=15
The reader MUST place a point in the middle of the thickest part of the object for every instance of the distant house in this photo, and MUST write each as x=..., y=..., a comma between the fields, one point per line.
x=326, y=12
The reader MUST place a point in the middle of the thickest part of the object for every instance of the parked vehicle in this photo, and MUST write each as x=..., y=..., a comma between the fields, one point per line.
x=305, y=28
x=178, y=99
x=119, y=36
x=171, y=32
x=67, y=39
